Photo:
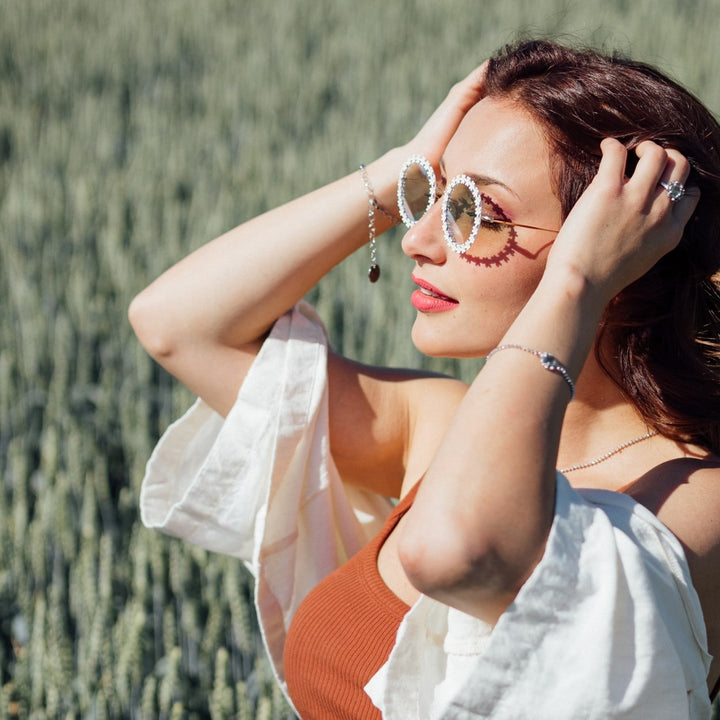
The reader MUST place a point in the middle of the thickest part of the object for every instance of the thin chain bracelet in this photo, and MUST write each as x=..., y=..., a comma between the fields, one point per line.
x=373, y=205
x=548, y=361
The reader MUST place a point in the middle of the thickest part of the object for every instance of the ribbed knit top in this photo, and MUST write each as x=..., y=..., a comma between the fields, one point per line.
x=342, y=634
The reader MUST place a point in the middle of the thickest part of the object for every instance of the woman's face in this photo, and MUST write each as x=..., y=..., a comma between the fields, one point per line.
x=482, y=291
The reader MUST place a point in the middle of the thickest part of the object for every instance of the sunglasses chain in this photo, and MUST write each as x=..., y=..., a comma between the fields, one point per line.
x=373, y=205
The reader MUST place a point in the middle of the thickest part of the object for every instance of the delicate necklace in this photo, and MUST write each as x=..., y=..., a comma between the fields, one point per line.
x=610, y=453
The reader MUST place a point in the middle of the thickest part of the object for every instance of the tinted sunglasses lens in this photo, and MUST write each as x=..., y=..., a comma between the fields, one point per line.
x=416, y=192
x=461, y=210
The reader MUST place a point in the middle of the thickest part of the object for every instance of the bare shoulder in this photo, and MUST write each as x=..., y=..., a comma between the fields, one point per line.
x=377, y=417
x=685, y=496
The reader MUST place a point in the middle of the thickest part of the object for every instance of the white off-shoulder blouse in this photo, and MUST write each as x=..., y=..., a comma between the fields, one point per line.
x=607, y=626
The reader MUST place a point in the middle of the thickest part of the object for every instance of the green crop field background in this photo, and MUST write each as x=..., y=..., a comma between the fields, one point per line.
x=130, y=133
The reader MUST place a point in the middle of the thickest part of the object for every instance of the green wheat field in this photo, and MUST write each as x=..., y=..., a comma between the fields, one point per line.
x=131, y=133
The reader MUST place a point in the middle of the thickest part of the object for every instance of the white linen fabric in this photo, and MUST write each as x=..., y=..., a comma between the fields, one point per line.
x=607, y=626
x=261, y=485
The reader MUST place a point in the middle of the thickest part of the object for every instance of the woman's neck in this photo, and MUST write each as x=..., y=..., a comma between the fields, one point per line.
x=599, y=420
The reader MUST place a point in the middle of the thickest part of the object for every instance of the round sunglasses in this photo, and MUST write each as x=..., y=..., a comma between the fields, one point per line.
x=462, y=204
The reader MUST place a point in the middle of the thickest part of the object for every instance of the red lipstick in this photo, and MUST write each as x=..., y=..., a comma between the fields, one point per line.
x=429, y=299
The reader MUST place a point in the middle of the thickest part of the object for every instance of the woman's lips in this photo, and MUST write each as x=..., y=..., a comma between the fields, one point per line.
x=429, y=299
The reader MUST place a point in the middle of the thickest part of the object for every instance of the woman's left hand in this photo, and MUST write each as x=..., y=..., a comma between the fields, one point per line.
x=620, y=227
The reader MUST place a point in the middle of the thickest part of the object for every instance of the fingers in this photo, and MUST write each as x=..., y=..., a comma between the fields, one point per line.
x=657, y=170
x=613, y=161
x=442, y=124
x=663, y=169
x=659, y=165
x=471, y=89
x=677, y=170
x=633, y=220
x=652, y=160
x=677, y=167
x=655, y=165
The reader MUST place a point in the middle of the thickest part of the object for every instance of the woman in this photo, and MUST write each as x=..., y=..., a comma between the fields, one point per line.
x=564, y=222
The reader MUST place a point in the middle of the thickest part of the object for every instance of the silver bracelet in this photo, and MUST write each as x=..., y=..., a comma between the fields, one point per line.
x=548, y=361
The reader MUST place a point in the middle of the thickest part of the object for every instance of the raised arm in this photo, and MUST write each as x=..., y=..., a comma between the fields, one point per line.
x=482, y=515
x=205, y=318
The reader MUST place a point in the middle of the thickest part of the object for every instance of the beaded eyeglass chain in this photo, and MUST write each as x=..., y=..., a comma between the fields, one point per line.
x=373, y=205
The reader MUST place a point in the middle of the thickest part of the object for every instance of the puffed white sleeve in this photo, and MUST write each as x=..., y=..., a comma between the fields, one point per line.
x=261, y=484
x=607, y=626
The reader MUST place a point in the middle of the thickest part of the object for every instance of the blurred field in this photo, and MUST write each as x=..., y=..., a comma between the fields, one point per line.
x=131, y=133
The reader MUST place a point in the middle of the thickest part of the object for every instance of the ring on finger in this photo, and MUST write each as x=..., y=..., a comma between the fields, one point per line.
x=674, y=189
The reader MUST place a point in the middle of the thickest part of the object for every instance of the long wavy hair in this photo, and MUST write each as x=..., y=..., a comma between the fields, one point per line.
x=660, y=337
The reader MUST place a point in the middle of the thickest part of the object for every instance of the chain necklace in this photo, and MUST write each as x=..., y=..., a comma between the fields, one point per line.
x=610, y=453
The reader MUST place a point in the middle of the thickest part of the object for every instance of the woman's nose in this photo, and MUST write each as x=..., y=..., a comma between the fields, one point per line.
x=424, y=240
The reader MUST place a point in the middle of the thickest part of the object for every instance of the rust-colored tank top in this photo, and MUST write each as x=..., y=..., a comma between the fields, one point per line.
x=343, y=633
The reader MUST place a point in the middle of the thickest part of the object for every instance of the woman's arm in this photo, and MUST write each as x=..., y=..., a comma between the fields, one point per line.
x=205, y=318
x=482, y=515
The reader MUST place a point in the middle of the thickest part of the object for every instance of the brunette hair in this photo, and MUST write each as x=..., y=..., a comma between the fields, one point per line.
x=660, y=338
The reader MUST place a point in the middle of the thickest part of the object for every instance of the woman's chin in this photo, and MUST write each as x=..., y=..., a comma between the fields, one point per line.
x=437, y=344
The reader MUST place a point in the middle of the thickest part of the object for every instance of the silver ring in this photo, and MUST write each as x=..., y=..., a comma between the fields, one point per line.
x=675, y=190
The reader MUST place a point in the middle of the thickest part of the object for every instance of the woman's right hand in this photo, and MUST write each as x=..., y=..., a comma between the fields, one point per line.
x=435, y=134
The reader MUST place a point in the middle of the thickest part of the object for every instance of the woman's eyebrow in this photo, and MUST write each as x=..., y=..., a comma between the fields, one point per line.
x=481, y=179
x=488, y=180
